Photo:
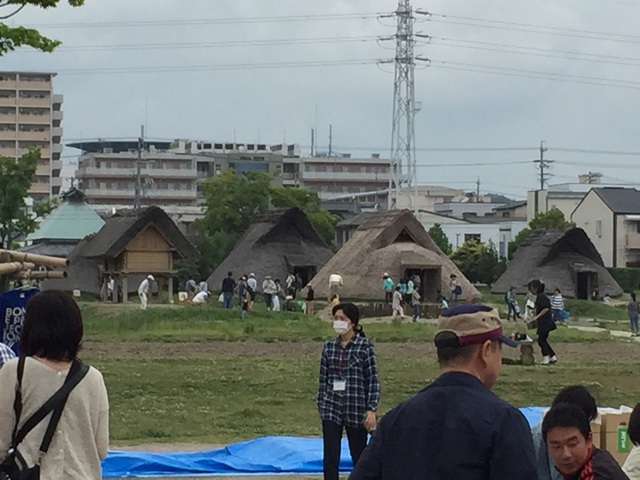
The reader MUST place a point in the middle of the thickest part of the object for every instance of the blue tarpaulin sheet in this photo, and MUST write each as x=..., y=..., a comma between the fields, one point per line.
x=265, y=456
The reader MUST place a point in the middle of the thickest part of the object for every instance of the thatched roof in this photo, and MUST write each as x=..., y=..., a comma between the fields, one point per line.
x=391, y=242
x=120, y=229
x=88, y=257
x=274, y=244
x=555, y=257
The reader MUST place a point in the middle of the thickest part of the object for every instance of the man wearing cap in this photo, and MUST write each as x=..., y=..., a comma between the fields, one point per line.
x=143, y=291
x=455, y=428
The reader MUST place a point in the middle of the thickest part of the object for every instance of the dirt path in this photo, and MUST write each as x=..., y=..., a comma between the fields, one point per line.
x=594, y=351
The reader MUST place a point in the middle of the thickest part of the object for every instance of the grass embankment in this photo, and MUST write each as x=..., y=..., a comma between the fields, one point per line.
x=202, y=324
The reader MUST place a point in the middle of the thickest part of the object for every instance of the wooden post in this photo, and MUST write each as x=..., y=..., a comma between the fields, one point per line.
x=125, y=289
x=170, y=290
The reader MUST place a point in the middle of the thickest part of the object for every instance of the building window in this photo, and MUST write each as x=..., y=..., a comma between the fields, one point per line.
x=473, y=236
x=599, y=228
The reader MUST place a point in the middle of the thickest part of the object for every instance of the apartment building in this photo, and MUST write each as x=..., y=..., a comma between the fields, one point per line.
x=339, y=177
x=172, y=173
x=31, y=116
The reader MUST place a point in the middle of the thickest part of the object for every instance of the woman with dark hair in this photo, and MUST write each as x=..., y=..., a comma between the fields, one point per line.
x=542, y=314
x=348, y=389
x=49, y=346
x=632, y=464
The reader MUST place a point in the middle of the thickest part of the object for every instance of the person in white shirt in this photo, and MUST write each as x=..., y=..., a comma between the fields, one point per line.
x=201, y=297
x=335, y=282
x=110, y=288
x=143, y=291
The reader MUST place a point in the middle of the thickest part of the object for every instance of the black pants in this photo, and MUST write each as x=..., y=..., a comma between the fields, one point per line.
x=332, y=438
x=543, y=341
x=388, y=297
x=268, y=299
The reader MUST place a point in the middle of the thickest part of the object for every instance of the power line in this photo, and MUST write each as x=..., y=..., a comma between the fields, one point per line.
x=209, y=21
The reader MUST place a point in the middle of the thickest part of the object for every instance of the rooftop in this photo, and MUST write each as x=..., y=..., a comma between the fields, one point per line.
x=620, y=200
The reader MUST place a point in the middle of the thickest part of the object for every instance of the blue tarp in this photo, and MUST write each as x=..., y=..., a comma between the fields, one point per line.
x=265, y=455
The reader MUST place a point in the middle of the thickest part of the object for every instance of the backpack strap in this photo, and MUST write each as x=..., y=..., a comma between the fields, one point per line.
x=56, y=404
x=17, y=401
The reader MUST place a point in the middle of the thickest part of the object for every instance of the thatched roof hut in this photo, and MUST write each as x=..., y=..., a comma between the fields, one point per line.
x=276, y=243
x=394, y=242
x=130, y=246
x=564, y=259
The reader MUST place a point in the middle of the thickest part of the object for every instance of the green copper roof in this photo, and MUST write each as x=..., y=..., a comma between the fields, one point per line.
x=72, y=220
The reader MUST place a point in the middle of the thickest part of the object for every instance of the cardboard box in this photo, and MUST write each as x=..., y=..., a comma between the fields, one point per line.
x=614, y=436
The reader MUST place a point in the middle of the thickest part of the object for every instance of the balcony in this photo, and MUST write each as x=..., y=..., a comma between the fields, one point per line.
x=107, y=193
x=8, y=135
x=345, y=177
x=89, y=172
x=8, y=84
x=35, y=136
x=8, y=118
x=57, y=115
x=34, y=119
x=56, y=132
x=633, y=242
x=34, y=102
x=34, y=85
x=43, y=171
x=7, y=101
x=56, y=182
x=56, y=165
x=7, y=152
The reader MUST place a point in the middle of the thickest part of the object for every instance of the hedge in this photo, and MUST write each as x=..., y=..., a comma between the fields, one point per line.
x=627, y=278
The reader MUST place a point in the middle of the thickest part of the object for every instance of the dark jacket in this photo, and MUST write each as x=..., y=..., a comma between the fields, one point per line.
x=604, y=466
x=228, y=285
x=545, y=322
x=455, y=429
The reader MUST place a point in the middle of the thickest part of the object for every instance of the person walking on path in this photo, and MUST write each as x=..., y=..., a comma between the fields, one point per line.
x=409, y=293
x=510, y=299
x=396, y=305
x=228, y=286
x=269, y=289
x=454, y=287
x=143, y=291
x=191, y=289
x=348, y=389
x=252, y=283
x=335, y=283
x=309, y=300
x=557, y=306
x=455, y=428
x=577, y=395
x=632, y=310
x=542, y=315
x=388, y=287
x=415, y=304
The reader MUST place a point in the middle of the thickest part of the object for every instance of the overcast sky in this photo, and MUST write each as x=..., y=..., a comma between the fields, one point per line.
x=461, y=107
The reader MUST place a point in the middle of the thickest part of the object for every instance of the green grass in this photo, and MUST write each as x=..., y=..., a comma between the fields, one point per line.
x=219, y=400
x=203, y=324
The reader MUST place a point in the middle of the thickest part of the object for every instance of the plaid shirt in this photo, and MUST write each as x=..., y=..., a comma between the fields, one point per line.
x=6, y=354
x=356, y=364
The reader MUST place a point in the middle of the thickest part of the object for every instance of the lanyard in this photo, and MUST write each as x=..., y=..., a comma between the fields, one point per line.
x=343, y=352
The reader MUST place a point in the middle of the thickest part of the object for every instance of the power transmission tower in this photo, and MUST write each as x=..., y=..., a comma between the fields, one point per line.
x=543, y=165
x=137, y=200
x=403, y=148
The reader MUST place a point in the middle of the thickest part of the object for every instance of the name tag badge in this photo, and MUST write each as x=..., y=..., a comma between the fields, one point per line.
x=339, y=385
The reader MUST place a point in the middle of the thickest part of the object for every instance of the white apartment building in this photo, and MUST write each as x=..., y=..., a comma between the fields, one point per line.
x=31, y=116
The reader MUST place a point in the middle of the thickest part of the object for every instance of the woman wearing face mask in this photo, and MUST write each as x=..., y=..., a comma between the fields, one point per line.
x=348, y=389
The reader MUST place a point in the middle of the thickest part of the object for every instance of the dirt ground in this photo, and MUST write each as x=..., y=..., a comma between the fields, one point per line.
x=595, y=351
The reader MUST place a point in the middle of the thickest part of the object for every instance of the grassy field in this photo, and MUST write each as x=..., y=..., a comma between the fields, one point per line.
x=203, y=375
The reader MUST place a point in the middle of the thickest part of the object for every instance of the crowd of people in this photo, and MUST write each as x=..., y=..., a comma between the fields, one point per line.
x=456, y=428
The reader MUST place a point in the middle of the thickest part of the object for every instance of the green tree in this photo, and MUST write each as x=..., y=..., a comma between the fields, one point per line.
x=323, y=221
x=16, y=221
x=551, y=219
x=440, y=239
x=13, y=37
x=478, y=262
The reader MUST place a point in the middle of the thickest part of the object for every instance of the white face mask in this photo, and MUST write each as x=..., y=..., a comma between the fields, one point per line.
x=340, y=326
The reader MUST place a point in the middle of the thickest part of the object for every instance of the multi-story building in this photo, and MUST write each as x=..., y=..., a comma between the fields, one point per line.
x=31, y=116
x=339, y=177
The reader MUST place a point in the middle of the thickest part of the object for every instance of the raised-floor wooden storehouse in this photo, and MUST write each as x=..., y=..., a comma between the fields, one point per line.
x=392, y=242
x=564, y=259
x=130, y=246
x=278, y=242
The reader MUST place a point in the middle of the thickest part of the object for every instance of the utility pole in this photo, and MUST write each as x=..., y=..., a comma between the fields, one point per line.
x=403, y=149
x=330, y=141
x=137, y=201
x=313, y=142
x=478, y=190
x=543, y=165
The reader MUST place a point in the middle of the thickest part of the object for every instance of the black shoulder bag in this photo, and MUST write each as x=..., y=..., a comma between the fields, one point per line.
x=14, y=466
